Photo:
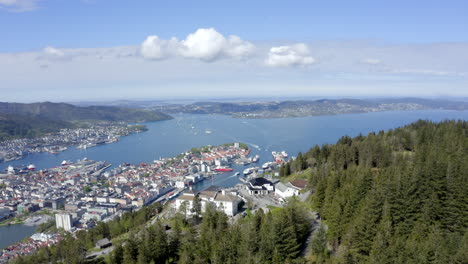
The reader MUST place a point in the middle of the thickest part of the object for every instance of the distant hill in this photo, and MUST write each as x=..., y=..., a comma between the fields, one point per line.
x=275, y=109
x=16, y=126
x=29, y=120
x=68, y=112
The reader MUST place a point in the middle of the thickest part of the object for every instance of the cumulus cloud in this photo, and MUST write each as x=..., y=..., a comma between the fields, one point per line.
x=237, y=48
x=19, y=5
x=156, y=48
x=205, y=44
x=293, y=55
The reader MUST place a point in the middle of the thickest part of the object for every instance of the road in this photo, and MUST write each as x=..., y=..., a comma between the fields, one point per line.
x=315, y=224
x=100, y=253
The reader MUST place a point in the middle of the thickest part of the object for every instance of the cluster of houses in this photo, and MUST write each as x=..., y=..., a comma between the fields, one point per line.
x=56, y=142
x=228, y=200
x=29, y=246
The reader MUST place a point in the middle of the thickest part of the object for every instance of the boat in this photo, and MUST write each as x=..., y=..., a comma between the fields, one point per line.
x=208, y=131
x=266, y=165
x=11, y=169
x=223, y=169
x=31, y=167
x=250, y=170
x=64, y=163
x=236, y=174
x=255, y=158
x=279, y=157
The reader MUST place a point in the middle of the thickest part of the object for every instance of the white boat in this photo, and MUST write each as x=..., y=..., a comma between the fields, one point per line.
x=284, y=154
x=31, y=167
x=208, y=131
x=236, y=174
x=64, y=163
x=255, y=159
x=250, y=170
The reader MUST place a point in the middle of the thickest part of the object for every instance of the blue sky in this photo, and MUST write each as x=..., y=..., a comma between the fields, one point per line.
x=98, y=49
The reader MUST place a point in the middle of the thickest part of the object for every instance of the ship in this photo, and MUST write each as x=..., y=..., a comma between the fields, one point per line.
x=267, y=165
x=223, y=169
x=279, y=157
x=255, y=159
x=31, y=167
x=250, y=170
x=64, y=163
x=11, y=170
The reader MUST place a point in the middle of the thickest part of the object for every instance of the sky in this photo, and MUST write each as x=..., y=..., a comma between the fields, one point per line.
x=78, y=50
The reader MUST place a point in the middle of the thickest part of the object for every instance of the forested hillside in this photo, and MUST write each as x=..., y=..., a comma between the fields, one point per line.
x=394, y=197
x=15, y=126
x=31, y=120
x=274, y=237
x=68, y=112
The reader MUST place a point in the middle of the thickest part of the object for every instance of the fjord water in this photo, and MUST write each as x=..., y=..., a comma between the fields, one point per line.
x=14, y=233
x=171, y=137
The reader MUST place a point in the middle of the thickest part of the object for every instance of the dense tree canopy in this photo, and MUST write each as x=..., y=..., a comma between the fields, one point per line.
x=394, y=197
x=390, y=197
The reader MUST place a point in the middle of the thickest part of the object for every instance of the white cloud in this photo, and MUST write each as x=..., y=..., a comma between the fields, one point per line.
x=19, y=5
x=51, y=51
x=205, y=44
x=293, y=55
x=428, y=72
x=53, y=54
x=371, y=61
x=155, y=48
x=237, y=48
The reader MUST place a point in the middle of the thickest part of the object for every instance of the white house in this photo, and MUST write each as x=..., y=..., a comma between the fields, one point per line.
x=187, y=197
x=286, y=190
x=226, y=202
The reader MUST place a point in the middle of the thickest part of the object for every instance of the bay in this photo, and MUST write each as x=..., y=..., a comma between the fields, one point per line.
x=185, y=131
x=11, y=234
x=171, y=137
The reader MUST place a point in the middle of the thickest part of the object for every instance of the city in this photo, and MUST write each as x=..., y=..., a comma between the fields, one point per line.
x=80, y=194
x=53, y=143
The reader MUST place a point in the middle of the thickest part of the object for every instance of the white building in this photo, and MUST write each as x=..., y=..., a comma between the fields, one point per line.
x=286, y=190
x=187, y=199
x=226, y=202
x=64, y=221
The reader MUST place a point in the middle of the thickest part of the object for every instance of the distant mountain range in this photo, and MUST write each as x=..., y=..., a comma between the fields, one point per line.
x=28, y=120
x=274, y=109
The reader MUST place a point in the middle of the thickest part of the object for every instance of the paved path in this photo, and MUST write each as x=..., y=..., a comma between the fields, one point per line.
x=315, y=224
x=100, y=253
